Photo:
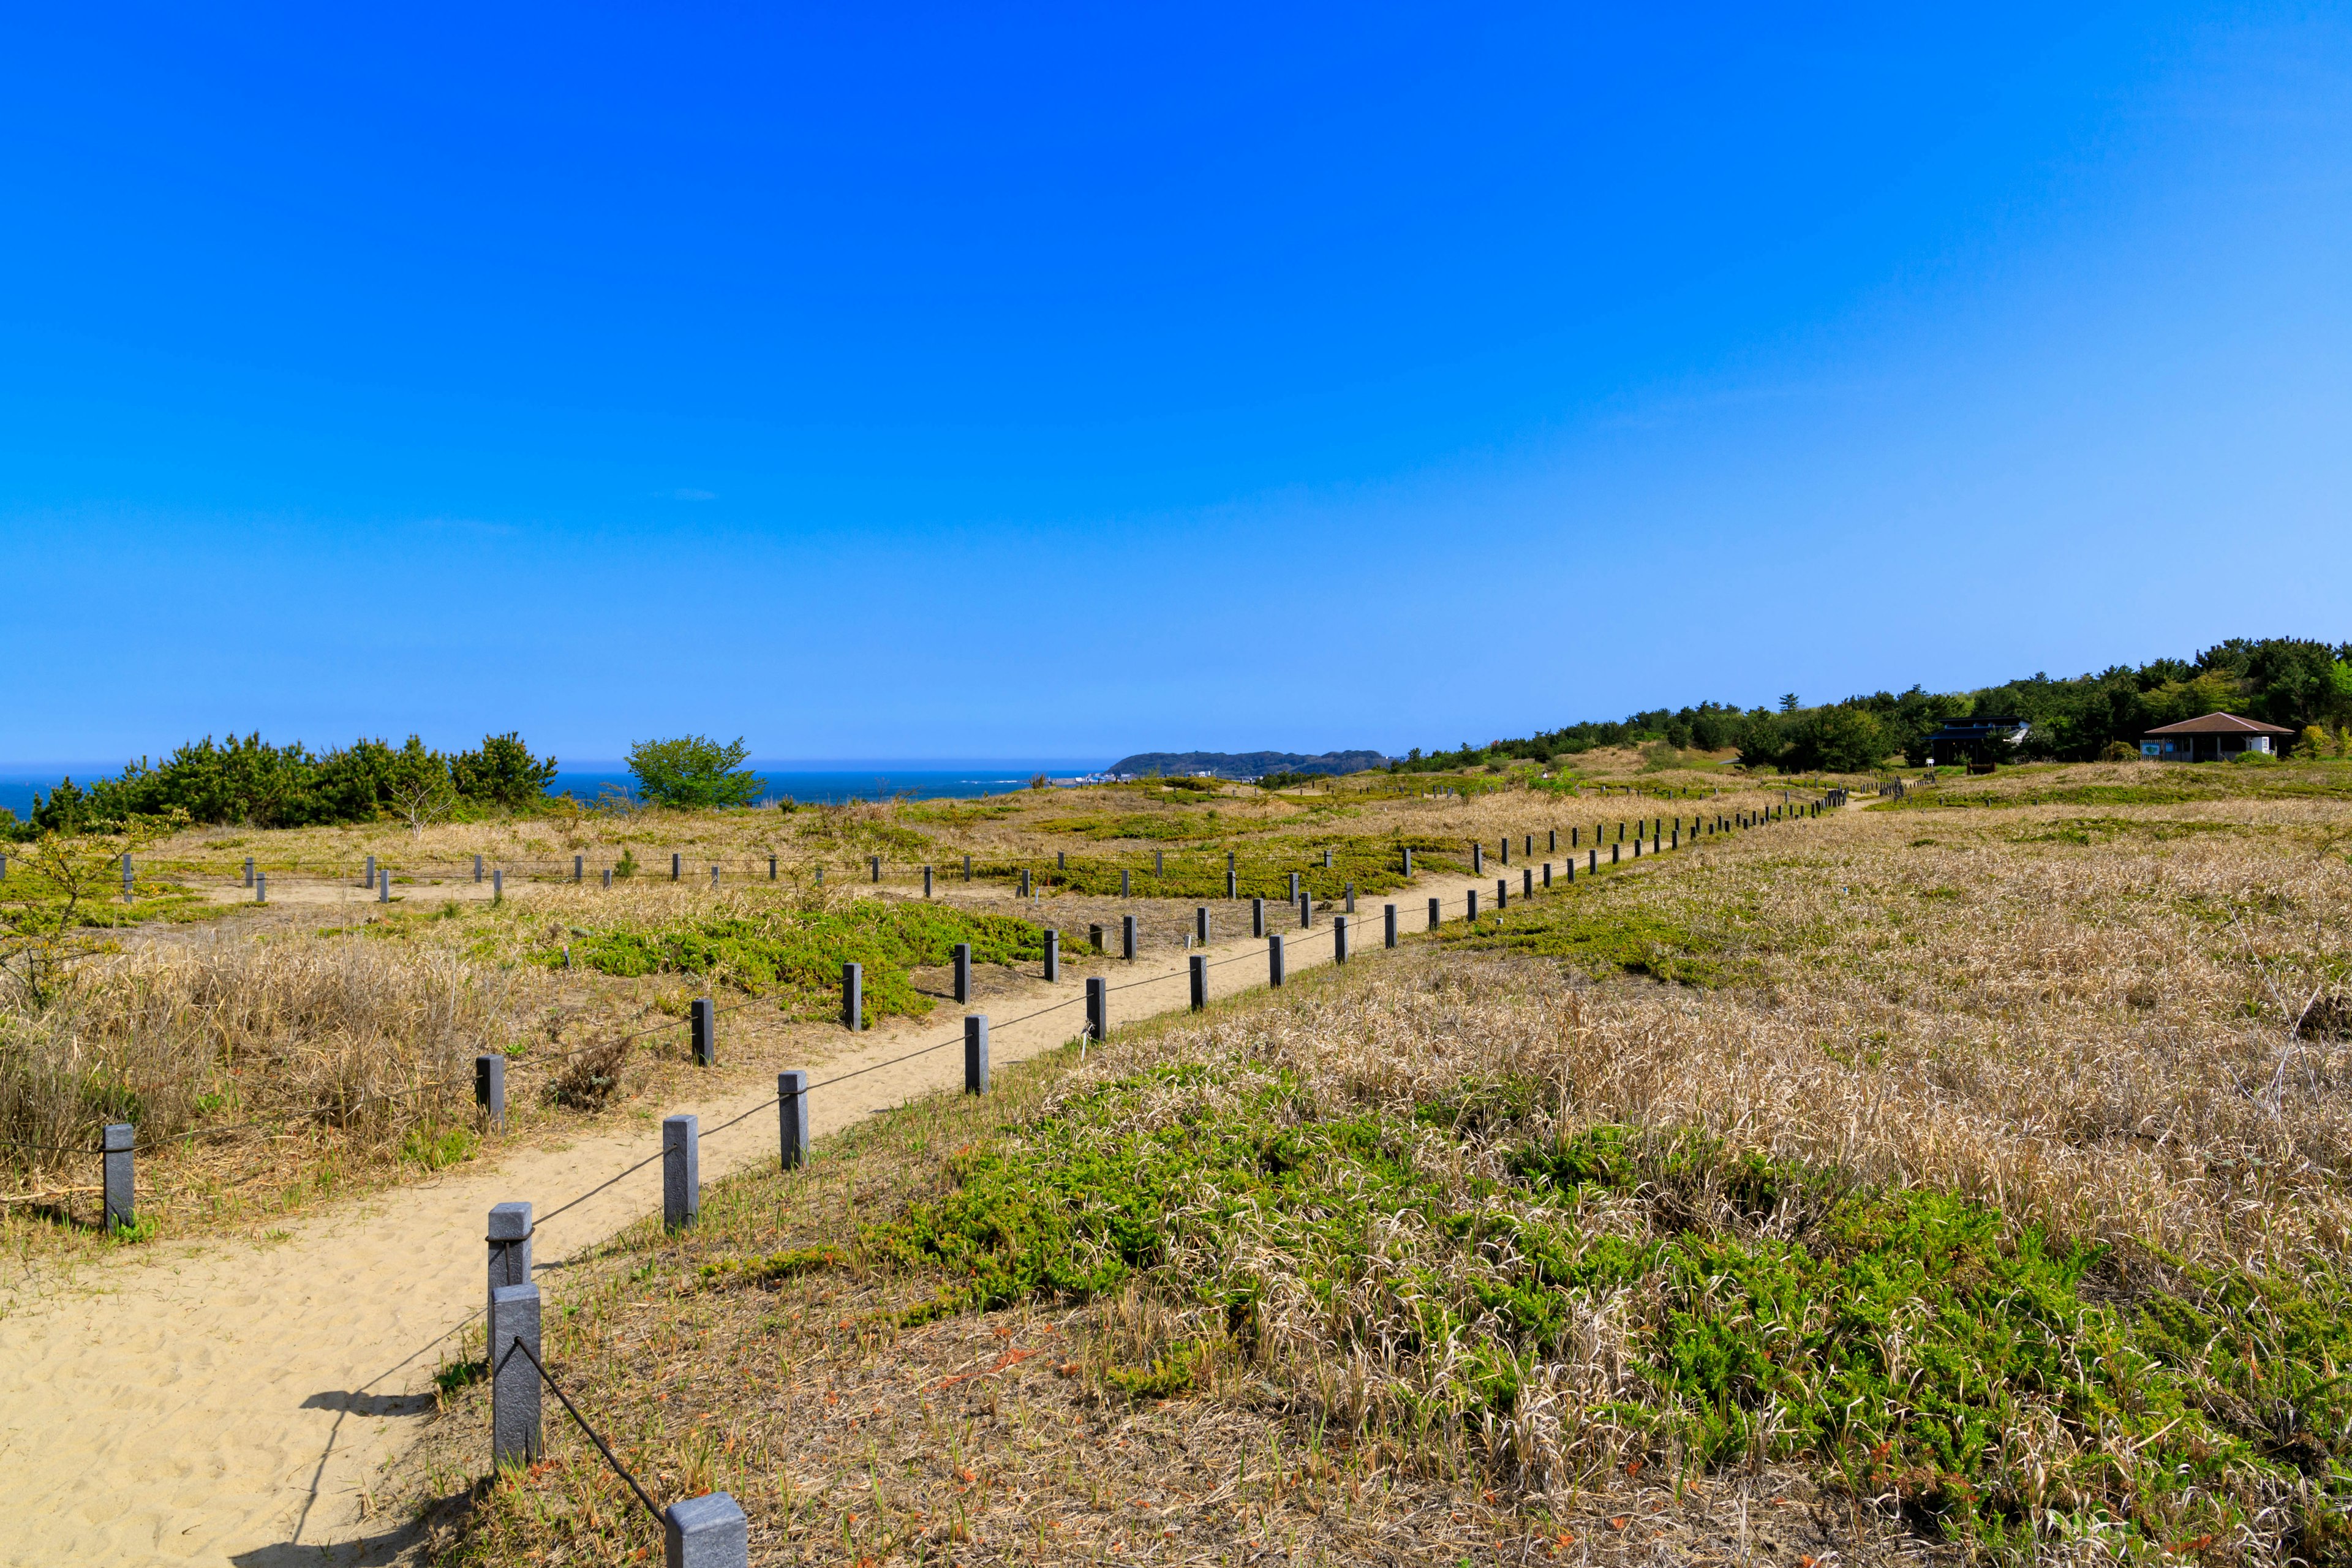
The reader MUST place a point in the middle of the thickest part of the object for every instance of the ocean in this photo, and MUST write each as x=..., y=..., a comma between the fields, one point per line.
x=828, y=782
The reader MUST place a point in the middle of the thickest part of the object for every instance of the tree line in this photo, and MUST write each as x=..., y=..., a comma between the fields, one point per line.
x=2304, y=685
x=251, y=782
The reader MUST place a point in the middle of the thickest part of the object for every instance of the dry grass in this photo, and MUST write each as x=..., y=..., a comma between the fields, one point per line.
x=2121, y=1028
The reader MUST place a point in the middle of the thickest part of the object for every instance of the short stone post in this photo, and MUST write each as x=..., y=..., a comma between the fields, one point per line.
x=1097, y=1007
x=706, y=1531
x=677, y=866
x=1053, y=953
x=1637, y=849
x=608, y=878
x=1305, y=912
x=874, y=866
x=126, y=877
x=1528, y=881
x=1257, y=917
x=1349, y=894
x=1126, y=883
x=1478, y=859
x=579, y=867
x=963, y=972
x=1232, y=884
x=704, y=1018
x=1471, y=901
x=1294, y=886
x=1024, y=881
x=369, y=880
x=477, y=867
x=1434, y=916
x=1326, y=857
x=383, y=884
x=117, y=1179
x=1274, y=960
x=927, y=881
x=514, y=1381
x=1593, y=862
x=1502, y=892
x=1201, y=925
x=509, y=1234
x=1160, y=862
x=1551, y=844
x=853, y=997
x=260, y=888
x=1547, y=876
x=1094, y=938
x=1614, y=849
x=681, y=1172
x=975, y=1053
x=793, y=1118
x=498, y=886
x=1200, y=968
x=1126, y=938
x=967, y=868
x=1506, y=848
x=1408, y=861
x=248, y=869
x=1339, y=939
x=1389, y=925
x=714, y=876
x=491, y=1088
x=771, y=867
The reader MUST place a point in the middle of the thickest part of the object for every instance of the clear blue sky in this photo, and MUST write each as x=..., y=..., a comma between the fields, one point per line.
x=982, y=382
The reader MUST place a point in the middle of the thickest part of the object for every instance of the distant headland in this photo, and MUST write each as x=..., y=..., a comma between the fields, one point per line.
x=1243, y=764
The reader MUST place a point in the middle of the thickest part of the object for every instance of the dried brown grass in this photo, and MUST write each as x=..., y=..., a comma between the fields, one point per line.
x=2128, y=1038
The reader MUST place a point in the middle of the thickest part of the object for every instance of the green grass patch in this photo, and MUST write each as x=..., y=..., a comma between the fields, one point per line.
x=2088, y=830
x=1598, y=928
x=796, y=956
x=2003, y=1383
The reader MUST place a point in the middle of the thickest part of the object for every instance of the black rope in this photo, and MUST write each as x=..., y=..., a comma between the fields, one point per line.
x=599, y=1187
x=602, y=1447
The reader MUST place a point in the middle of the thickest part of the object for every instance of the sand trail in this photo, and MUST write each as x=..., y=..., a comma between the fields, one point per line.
x=231, y=1400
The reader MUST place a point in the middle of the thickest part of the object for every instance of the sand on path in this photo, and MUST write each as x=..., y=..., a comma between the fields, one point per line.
x=231, y=1400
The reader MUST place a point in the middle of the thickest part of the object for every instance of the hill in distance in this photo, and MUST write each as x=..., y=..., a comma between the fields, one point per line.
x=1245, y=765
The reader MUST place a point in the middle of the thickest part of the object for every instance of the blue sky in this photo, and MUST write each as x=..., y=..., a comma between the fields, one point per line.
x=881, y=381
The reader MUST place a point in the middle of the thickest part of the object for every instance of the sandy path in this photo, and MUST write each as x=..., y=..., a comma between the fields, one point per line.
x=230, y=1400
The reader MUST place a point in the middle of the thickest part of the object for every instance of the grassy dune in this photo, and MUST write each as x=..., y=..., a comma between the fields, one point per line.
x=1964, y=1178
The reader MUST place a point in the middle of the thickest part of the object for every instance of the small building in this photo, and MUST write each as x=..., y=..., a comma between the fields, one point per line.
x=2216, y=737
x=1967, y=740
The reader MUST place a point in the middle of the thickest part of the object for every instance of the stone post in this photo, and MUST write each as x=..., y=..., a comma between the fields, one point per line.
x=975, y=1053
x=514, y=1381
x=793, y=1118
x=491, y=1088
x=681, y=1172
x=115, y=1143
x=509, y=1235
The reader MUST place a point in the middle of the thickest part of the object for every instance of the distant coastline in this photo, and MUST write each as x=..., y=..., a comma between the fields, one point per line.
x=1243, y=764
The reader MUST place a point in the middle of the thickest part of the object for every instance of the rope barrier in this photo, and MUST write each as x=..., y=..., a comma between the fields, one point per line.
x=536, y=1058
x=602, y=1447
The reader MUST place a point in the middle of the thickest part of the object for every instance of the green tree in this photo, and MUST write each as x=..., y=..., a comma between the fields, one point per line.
x=502, y=771
x=693, y=771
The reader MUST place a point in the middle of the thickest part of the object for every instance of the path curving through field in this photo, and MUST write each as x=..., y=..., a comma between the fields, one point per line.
x=229, y=1400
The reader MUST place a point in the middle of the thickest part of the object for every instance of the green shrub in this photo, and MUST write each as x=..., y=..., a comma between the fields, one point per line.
x=796, y=956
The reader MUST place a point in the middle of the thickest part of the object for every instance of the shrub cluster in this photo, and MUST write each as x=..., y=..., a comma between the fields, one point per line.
x=252, y=781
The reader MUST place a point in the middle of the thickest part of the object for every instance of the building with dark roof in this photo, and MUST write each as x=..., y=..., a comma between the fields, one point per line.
x=1967, y=740
x=2214, y=738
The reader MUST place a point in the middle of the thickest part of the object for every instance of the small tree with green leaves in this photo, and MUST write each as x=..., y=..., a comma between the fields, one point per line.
x=53, y=889
x=693, y=772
